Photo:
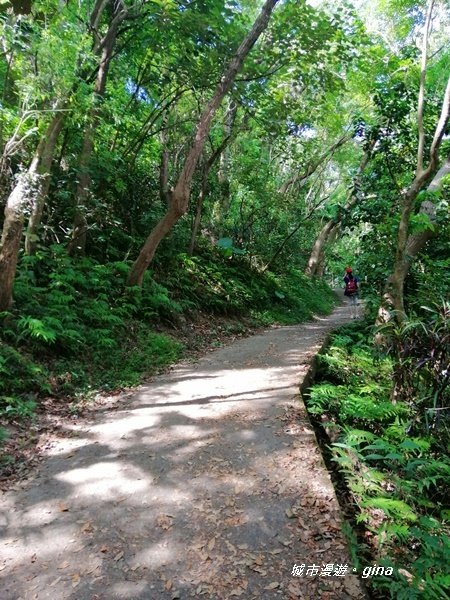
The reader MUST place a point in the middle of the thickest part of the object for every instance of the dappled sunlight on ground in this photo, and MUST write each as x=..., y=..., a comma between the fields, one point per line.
x=207, y=483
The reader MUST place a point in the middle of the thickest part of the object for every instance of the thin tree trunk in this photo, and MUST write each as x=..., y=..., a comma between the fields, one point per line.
x=421, y=99
x=296, y=228
x=180, y=194
x=282, y=246
x=198, y=210
x=164, y=176
x=393, y=293
x=223, y=174
x=229, y=136
x=11, y=20
x=37, y=206
x=77, y=244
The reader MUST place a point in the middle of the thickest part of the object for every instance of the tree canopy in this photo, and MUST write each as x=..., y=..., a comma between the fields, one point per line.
x=165, y=158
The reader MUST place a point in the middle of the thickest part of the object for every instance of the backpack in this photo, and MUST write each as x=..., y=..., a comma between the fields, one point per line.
x=351, y=288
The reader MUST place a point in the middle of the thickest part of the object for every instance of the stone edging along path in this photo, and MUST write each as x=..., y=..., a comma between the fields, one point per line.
x=206, y=483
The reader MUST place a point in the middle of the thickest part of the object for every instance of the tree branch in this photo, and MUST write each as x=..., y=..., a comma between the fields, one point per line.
x=313, y=166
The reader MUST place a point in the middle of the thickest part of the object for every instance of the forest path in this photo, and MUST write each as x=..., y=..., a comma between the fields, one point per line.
x=206, y=483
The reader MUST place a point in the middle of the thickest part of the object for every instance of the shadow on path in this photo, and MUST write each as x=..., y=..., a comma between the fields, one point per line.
x=207, y=483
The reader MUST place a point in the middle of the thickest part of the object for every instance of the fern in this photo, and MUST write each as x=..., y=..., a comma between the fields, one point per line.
x=35, y=328
x=394, y=509
x=401, y=498
x=357, y=407
x=358, y=436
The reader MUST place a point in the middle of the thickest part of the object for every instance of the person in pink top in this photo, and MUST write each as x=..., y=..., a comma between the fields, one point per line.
x=351, y=291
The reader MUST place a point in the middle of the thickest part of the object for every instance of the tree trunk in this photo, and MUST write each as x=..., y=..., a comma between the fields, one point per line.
x=317, y=250
x=393, y=292
x=77, y=244
x=229, y=136
x=181, y=191
x=331, y=228
x=198, y=211
x=11, y=237
x=416, y=241
x=37, y=206
x=223, y=174
x=28, y=191
x=164, y=176
x=393, y=296
x=320, y=269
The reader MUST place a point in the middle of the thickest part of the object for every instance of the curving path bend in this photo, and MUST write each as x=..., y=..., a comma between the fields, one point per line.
x=206, y=483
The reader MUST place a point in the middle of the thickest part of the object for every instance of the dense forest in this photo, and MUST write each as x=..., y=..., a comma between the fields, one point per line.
x=168, y=161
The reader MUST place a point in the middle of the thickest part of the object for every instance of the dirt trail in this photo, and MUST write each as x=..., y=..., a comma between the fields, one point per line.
x=206, y=483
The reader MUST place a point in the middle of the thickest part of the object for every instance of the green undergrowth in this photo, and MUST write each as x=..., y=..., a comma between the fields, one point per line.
x=76, y=328
x=395, y=464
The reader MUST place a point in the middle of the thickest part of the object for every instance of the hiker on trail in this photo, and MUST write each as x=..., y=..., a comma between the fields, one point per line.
x=351, y=291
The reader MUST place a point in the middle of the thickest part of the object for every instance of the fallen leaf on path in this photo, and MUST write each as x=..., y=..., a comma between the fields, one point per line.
x=236, y=520
x=104, y=548
x=87, y=527
x=272, y=586
x=258, y=569
x=286, y=542
x=164, y=521
x=198, y=545
x=294, y=588
x=62, y=506
x=352, y=587
x=304, y=536
x=91, y=569
x=301, y=523
x=231, y=547
x=120, y=499
x=237, y=592
x=118, y=556
x=169, y=584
